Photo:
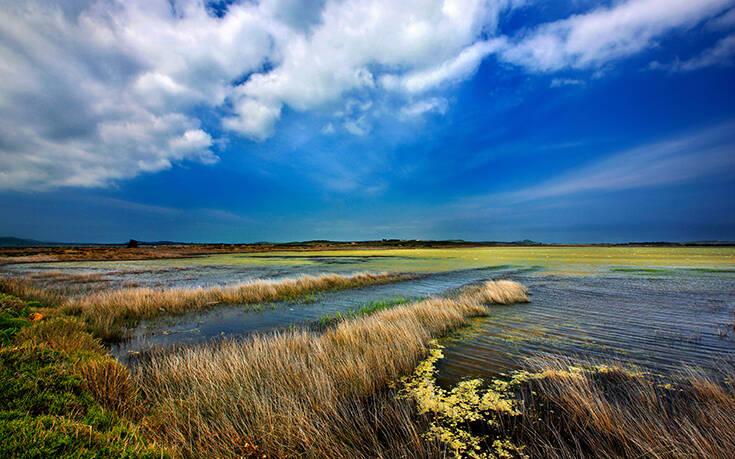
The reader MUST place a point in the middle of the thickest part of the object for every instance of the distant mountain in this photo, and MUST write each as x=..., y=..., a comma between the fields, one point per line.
x=19, y=242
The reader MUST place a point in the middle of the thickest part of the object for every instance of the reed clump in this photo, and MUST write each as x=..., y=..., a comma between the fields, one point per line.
x=305, y=394
x=611, y=411
x=108, y=312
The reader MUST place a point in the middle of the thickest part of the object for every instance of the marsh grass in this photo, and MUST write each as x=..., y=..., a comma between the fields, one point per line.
x=330, y=320
x=561, y=410
x=23, y=288
x=300, y=393
x=615, y=412
x=59, y=277
x=109, y=312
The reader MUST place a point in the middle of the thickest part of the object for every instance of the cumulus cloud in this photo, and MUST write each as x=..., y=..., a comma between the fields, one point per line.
x=355, y=37
x=105, y=90
x=96, y=91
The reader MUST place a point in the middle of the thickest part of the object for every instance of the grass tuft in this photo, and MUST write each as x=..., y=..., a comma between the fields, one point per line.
x=111, y=385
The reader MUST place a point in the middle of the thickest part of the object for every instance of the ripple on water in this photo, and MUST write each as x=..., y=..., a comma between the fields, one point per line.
x=660, y=324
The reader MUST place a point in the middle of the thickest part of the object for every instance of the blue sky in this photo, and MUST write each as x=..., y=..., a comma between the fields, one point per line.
x=287, y=120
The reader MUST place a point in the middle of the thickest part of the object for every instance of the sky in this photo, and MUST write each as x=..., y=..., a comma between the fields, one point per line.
x=281, y=120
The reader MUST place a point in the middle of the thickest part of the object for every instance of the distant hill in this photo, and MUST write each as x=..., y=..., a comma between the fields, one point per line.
x=11, y=242
x=19, y=242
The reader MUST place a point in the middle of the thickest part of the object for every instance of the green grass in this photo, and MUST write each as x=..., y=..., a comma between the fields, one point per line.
x=13, y=317
x=47, y=408
x=713, y=270
x=330, y=320
x=642, y=270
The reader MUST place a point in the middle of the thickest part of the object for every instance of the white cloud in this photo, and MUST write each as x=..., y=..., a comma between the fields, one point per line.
x=106, y=90
x=454, y=69
x=722, y=53
x=102, y=90
x=328, y=129
x=357, y=126
x=557, y=82
x=607, y=33
x=432, y=104
x=355, y=36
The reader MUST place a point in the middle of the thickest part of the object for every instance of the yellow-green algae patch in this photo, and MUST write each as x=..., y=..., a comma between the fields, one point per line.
x=453, y=410
x=555, y=260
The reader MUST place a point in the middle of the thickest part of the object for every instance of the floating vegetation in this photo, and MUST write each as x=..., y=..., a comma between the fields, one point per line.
x=454, y=412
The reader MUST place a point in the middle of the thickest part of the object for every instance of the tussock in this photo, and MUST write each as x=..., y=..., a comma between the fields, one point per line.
x=298, y=393
x=109, y=382
x=108, y=312
x=615, y=412
x=63, y=334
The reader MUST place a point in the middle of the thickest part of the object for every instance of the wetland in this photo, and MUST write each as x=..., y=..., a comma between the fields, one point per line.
x=369, y=320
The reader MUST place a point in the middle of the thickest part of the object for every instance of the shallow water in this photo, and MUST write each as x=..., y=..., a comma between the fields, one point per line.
x=659, y=308
x=231, y=268
x=658, y=323
x=238, y=321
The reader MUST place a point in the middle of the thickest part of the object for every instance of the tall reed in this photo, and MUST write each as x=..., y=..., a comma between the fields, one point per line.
x=109, y=311
x=306, y=394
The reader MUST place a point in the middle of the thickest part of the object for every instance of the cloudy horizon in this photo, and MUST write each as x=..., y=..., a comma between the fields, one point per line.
x=242, y=121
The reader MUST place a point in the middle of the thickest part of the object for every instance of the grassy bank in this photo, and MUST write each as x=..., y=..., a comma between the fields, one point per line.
x=60, y=394
x=308, y=394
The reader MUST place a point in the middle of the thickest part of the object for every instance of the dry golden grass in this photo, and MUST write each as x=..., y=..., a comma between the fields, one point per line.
x=305, y=394
x=111, y=385
x=59, y=277
x=495, y=292
x=107, y=312
x=612, y=412
x=23, y=288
